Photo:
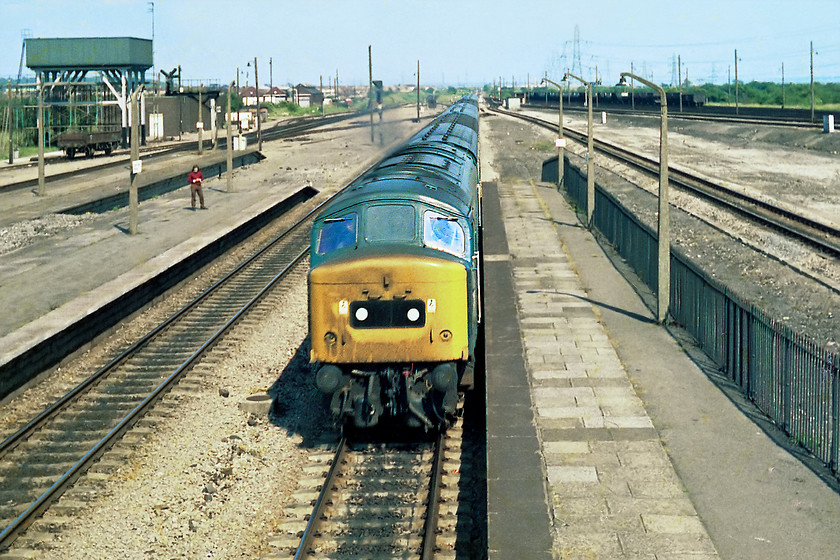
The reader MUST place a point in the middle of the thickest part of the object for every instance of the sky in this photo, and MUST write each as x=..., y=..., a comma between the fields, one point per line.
x=458, y=42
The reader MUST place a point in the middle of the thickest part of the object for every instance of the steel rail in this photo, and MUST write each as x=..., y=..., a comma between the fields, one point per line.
x=321, y=503
x=428, y=545
x=435, y=485
x=695, y=116
x=823, y=236
x=58, y=487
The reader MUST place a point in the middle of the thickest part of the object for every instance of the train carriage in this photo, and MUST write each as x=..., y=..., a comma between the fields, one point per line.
x=393, y=285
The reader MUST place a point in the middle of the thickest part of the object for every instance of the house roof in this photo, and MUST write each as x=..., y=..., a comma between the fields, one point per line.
x=311, y=90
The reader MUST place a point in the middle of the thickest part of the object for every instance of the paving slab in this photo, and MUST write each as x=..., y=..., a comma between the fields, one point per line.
x=594, y=439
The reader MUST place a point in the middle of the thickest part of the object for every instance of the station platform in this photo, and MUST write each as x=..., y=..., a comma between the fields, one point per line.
x=606, y=438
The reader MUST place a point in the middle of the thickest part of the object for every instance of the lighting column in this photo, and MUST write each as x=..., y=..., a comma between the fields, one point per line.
x=590, y=152
x=663, y=281
x=560, y=142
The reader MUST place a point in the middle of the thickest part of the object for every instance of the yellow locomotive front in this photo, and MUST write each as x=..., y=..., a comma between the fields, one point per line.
x=392, y=310
x=389, y=309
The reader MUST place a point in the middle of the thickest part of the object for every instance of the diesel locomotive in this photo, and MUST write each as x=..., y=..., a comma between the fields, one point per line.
x=394, y=281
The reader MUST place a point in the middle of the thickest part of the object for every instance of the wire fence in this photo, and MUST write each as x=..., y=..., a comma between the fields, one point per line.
x=787, y=375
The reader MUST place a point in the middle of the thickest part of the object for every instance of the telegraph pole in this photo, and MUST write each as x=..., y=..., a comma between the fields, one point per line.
x=257, y=84
x=736, y=81
x=812, y=81
x=418, y=90
x=370, y=91
x=783, y=85
x=270, y=74
x=229, y=141
x=729, y=85
x=632, y=88
x=11, y=149
x=679, y=79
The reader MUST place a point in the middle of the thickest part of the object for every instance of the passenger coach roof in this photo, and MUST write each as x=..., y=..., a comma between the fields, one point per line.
x=428, y=190
x=457, y=126
x=435, y=166
x=423, y=159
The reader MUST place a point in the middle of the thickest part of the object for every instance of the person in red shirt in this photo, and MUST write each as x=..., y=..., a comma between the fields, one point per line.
x=195, y=178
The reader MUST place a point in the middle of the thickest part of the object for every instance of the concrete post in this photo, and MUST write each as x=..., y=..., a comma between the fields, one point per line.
x=133, y=198
x=213, y=124
x=561, y=156
x=663, y=276
x=590, y=152
x=590, y=160
x=200, y=124
x=41, y=173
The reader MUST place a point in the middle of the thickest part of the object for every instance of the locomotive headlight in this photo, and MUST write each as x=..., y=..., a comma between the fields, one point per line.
x=413, y=314
x=330, y=338
x=361, y=314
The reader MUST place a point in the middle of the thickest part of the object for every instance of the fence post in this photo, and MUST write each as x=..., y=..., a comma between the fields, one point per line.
x=786, y=381
x=835, y=415
x=834, y=367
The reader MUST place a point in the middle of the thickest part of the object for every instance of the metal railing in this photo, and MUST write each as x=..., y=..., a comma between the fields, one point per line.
x=788, y=376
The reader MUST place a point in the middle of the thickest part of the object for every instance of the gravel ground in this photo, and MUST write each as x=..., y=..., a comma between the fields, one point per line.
x=210, y=480
x=22, y=234
x=792, y=167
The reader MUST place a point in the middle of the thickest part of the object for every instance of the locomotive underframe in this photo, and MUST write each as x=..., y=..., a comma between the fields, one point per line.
x=420, y=395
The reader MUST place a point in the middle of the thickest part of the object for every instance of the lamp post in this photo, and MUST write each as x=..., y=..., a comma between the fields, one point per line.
x=200, y=123
x=41, y=173
x=136, y=165
x=560, y=142
x=590, y=152
x=663, y=281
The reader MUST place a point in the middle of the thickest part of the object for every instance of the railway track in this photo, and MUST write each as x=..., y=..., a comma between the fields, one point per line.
x=393, y=500
x=286, y=130
x=823, y=237
x=689, y=115
x=44, y=458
